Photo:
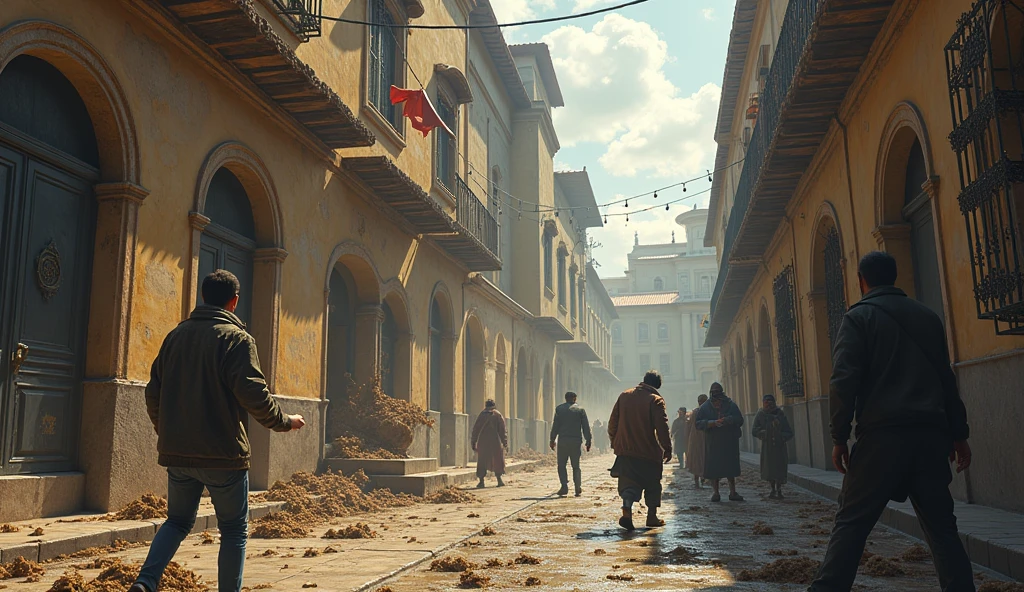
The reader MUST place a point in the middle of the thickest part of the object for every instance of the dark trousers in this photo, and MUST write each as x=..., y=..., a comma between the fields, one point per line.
x=570, y=449
x=888, y=465
x=229, y=491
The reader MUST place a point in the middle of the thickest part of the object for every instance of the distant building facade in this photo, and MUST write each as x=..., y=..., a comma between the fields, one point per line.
x=663, y=305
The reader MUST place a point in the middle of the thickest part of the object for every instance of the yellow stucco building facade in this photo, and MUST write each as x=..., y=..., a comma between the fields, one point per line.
x=144, y=143
x=861, y=128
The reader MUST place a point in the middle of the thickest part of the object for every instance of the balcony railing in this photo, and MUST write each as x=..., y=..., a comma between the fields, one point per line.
x=789, y=53
x=304, y=15
x=473, y=216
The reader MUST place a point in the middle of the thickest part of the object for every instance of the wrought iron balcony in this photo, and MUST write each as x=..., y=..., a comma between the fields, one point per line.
x=305, y=15
x=476, y=242
x=821, y=47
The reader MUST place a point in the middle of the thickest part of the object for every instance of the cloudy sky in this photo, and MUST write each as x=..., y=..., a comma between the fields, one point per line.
x=641, y=88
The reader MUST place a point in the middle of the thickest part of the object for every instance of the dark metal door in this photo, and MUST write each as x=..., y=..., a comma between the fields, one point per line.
x=220, y=248
x=47, y=222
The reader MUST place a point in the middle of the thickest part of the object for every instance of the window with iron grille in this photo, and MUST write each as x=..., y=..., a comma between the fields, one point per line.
x=446, y=144
x=791, y=380
x=835, y=284
x=548, y=243
x=561, y=278
x=985, y=74
x=572, y=294
x=385, y=55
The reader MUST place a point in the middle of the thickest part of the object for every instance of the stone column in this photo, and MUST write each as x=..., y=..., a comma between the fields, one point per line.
x=369, y=320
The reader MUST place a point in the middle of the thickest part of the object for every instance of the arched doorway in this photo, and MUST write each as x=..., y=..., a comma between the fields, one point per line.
x=441, y=376
x=917, y=212
x=229, y=239
x=828, y=295
x=753, y=391
x=388, y=349
x=396, y=346
x=523, y=386
x=436, y=356
x=474, y=386
x=765, y=359
x=341, y=326
x=501, y=376
x=49, y=162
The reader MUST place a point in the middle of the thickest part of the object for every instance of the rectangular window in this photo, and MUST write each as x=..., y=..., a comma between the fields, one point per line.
x=383, y=66
x=662, y=331
x=663, y=364
x=643, y=333
x=548, y=255
x=561, y=280
x=447, y=145
x=645, y=362
x=619, y=367
x=572, y=295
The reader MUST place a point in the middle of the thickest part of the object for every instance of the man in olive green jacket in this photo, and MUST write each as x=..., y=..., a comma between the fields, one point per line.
x=203, y=383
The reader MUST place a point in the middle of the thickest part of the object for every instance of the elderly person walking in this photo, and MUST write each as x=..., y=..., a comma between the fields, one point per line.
x=490, y=439
x=638, y=428
x=720, y=420
x=695, y=445
x=772, y=428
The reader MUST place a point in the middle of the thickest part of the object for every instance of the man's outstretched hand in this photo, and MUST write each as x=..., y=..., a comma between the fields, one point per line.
x=841, y=457
x=961, y=454
x=296, y=422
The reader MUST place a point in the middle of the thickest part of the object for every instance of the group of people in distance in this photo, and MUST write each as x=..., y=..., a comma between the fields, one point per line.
x=891, y=375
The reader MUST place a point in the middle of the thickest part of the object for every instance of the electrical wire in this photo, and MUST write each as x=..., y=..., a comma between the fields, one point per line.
x=555, y=19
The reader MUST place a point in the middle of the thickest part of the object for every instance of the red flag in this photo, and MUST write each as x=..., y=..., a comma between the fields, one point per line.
x=419, y=110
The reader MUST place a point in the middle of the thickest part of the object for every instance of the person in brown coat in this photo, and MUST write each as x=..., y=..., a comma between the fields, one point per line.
x=490, y=439
x=695, y=446
x=638, y=428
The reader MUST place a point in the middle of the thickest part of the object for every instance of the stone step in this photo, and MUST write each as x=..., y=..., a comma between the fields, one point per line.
x=424, y=484
x=373, y=466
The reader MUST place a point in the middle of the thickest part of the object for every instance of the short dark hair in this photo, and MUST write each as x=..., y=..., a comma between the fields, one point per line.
x=652, y=378
x=878, y=268
x=220, y=287
x=570, y=396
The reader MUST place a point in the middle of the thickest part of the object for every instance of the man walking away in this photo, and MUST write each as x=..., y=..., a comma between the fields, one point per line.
x=695, y=446
x=678, y=433
x=203, y=382
x=490, y=439
x=570, y=427
x=772, y=428
x=891, y=371
x=720, y=420
x=600, y=434
x=638, y=428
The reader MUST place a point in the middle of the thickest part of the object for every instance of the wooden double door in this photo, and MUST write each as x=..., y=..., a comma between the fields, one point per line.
x=47, y=224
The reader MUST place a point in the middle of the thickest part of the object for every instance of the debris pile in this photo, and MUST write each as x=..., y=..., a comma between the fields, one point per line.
x=471, y=579
x=678, y=555
x=1001, y=587
x=6, y=528
x=524, y=559
x=532, y=581
x=374, y=425
x=451, y=495
x=762, y=528
x=147, y=507
x=311, y=500
x=488, y=531
x=782, y=552
x=452, y=563
x=117, y=576
x=352, y=531
x=21, y=568
x=883, y=567
x=916, y=552
x=795, y=570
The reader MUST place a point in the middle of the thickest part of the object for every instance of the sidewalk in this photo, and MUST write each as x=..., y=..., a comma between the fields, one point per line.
x=993, y=538
x=64, y=535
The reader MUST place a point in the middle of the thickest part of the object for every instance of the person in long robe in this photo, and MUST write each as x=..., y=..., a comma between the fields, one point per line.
x=600, y=436
x=772, y=428
x=678, y=433
x=490, y=439
x=695, y=445
x=720, y=420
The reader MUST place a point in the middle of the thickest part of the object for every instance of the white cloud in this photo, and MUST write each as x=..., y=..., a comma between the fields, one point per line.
x=585, y=5
x=709, y=14
x=509, y=11
x=617, y=94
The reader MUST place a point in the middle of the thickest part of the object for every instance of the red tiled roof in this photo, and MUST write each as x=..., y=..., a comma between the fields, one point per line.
x=649, y=299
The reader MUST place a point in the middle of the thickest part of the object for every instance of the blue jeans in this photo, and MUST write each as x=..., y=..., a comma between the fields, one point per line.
x=229, y=491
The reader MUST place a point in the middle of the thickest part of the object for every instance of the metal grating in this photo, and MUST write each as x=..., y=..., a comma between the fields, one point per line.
x=791, y=379
x=835, y=285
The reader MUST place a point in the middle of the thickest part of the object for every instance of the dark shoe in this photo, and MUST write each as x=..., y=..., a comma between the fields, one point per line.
x=500, y=482
x=735, y=497
x=564, y=491
x=137, y=587
x=716, y=497
x=579, y=491
x=655, y=522
x=779, y=495
x=627, y=523
x=480, y=485
x=772, y=495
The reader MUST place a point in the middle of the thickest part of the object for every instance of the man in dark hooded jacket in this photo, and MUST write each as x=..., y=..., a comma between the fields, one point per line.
x=204, y=382
x=891, y=371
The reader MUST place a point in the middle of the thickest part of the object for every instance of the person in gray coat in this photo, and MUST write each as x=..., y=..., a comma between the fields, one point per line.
x=891, y=372
x=570, y=428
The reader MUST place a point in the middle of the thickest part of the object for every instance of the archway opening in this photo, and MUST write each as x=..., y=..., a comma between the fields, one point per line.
x=474, y=386
x=523, y=385
x=765, y=359
x=828, y=295
x=501, y=376
x=49, y=161
x=753, y=391
x=229, y=241
x=396, y=348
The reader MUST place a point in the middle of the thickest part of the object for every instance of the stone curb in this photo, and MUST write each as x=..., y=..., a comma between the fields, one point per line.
x=1000, y=550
